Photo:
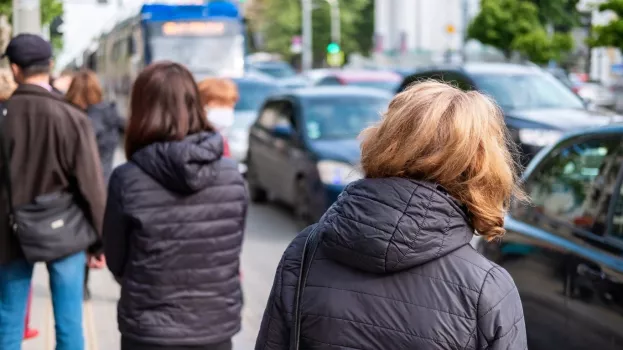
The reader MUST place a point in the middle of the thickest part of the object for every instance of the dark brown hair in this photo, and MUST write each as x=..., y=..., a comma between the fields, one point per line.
x=164, y=106
x=85, y=89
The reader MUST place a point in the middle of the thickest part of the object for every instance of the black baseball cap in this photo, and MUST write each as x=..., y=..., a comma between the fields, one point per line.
x=27, y=50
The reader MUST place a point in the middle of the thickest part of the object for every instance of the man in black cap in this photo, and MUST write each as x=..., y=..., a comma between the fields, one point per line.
x=52, y=149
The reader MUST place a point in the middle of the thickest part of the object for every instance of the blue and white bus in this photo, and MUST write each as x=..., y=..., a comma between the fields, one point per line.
x=209, y=39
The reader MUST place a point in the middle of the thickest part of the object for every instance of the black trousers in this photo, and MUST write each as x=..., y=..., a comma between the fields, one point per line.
x=129, y=344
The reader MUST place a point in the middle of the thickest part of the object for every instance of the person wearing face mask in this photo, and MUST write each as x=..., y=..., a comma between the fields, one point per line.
x=219, y=96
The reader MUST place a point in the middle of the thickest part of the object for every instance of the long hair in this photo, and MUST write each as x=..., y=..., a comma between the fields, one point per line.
x=85, y=89
x=164, y=106
x=435, y=132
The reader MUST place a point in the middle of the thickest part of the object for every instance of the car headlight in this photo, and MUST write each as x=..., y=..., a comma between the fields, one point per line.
x=337, y=173
x=539, y=137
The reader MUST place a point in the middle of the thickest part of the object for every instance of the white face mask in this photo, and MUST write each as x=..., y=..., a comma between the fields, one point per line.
x=221, y=118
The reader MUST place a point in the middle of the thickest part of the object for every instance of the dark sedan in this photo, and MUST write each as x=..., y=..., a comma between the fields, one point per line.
x=538, y=108
x=565, y=249
x=303, y=148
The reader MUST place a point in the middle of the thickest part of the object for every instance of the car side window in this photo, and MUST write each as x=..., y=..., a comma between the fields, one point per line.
x=269, y=115
x=456, y=79
x=329, y=81
x=285, y=116
x=571, y=189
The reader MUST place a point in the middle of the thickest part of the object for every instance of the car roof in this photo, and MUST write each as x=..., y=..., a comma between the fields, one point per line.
x=269, y=64
x=338, y=91
x=252, y=77
x=354, y=75
x=484, y=67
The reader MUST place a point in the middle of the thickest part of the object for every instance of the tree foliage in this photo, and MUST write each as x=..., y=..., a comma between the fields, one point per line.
x=563, y=15
x=515, y=25
x=610, y=34
x=280, y=20
x=50, y=9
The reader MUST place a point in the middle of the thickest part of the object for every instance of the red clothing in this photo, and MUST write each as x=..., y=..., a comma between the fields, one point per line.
x=226, y=152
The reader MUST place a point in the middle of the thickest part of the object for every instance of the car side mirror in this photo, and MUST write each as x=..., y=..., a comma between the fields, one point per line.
x=283, y=131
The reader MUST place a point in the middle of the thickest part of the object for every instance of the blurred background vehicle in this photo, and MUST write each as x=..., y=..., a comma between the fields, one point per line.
x=303, y=148
x=564, y=248
x=383, y=80
x=596, y=94
x=276, y=69
x=253, y=91
x=538, y=108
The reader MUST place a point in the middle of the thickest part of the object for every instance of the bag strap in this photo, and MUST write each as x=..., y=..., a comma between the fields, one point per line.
x=309, y=251
x=6, y=169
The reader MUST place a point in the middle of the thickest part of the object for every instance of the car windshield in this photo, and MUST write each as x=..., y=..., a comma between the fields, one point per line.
x=252, y=94
x=386, y=85
x=277, y=71
x=527, y=91
x=341, y=118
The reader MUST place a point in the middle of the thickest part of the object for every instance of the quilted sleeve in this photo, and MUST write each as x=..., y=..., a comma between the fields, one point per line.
x=500, y=313
x=274, y=331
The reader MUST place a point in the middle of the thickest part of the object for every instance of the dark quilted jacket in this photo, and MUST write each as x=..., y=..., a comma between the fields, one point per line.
x=395, y=271
x=172, y=236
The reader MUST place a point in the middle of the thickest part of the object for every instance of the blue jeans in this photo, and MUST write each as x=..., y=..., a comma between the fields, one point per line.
x=66, y=285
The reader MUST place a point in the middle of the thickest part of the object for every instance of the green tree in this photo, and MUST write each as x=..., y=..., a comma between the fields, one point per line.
x=280, y=20
x=50, y=9
x=563, y=15
x=610, y=34
x=514, y=25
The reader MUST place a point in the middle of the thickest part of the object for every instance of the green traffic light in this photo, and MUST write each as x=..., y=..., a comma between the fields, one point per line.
x=333, y=48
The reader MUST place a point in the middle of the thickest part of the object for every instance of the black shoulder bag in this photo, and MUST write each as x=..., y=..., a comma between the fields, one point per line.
x=311, y=245
x=52, y=226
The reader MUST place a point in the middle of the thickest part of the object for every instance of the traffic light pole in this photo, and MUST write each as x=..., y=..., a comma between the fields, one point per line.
x=26, y=17
x=336, y=29
x=307, y=59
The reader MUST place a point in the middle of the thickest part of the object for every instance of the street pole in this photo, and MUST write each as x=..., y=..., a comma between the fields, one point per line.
x=336, y=30
x=306, y=15
x=26, y=17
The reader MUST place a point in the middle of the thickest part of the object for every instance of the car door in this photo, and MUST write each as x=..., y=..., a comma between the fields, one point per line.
x=595, y=270
x=262, y=143
x=545, y=239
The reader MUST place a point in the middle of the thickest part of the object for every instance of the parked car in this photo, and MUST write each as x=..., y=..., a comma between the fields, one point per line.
x=564, y=249
x=538, y=108
x=252, y=91
x=276, y=69
x=597, y=94
x=378, y=79
x=303, y=147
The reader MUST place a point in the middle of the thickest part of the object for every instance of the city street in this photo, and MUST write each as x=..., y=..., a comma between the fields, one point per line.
x=269, y=230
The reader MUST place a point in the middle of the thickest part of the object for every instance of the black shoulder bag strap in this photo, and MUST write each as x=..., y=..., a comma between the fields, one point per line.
x=6, y=169
x=311, y=245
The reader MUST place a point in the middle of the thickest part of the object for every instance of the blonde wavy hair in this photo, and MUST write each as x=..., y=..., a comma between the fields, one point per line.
x=7, y=84
x=438, y=133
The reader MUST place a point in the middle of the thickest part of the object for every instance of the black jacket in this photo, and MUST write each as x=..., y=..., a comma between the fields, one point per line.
x=172, y=235
x=108, y=126
x=395, y=271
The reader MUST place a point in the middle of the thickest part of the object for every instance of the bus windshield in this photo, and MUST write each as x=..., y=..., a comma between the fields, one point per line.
x=209, y=53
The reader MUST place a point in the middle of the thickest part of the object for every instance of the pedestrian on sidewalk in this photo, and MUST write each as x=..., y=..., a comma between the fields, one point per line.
x=61, y=84
x=53, y=155
x=85, y=92
x=219, y=97
x=390, y=265
x=174, y=221
x=7, y=87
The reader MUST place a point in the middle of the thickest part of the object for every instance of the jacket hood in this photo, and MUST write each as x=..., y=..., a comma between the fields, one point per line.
x=185, y=166
x=392, y=224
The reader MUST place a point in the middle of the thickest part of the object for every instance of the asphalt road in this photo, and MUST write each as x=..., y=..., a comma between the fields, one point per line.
x=269, y=230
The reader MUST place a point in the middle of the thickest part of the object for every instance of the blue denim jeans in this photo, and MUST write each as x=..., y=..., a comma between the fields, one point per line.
x=66, y=285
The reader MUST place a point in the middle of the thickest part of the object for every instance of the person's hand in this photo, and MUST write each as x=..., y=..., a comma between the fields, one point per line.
x=97, y=261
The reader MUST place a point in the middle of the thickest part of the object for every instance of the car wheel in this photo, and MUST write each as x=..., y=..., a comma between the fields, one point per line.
x=302, y=203
x=256, y=192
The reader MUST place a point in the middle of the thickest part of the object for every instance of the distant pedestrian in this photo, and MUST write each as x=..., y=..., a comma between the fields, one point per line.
x=219, y=97
x=63, y=81
x=7, y=87
x=390, y=265
x=85, y=92
x=174, y=221
x=53, y=161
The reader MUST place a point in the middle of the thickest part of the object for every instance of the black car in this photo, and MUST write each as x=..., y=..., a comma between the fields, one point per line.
x=564, y=249
x=303, y=148
x=538, y=108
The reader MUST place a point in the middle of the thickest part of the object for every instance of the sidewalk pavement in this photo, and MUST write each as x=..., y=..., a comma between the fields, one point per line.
x=100, y=323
